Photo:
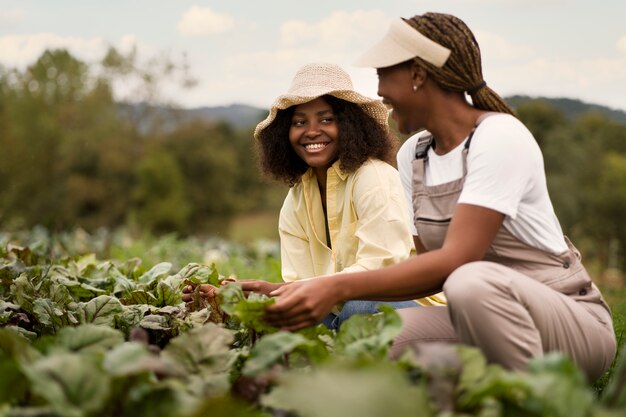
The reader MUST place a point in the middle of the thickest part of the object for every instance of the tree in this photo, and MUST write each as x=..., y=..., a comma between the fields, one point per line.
x=160, y=202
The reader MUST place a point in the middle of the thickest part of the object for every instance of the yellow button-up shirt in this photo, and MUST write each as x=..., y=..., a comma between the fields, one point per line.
x=367, y=221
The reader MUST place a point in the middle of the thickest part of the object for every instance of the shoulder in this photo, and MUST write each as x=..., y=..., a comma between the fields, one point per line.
x=503, y=125
x=503, y=134
x=374, y=168
x=295, y=196
x=375, y=176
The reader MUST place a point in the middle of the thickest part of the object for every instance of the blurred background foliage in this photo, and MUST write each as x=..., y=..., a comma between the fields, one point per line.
x=75, y=156
x=72, y=156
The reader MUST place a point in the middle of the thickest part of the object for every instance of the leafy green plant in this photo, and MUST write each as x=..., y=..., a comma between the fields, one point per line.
x=84, y=337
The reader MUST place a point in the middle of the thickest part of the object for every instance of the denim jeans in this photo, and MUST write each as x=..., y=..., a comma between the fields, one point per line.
x=333, y=321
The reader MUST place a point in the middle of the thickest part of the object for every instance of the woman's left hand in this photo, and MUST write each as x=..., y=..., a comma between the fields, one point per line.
x=302, y=304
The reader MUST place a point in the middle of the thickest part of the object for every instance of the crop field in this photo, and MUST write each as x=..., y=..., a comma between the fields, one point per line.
x=94, y=325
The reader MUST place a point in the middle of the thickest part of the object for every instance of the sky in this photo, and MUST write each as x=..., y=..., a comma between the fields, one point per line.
x=247, y=51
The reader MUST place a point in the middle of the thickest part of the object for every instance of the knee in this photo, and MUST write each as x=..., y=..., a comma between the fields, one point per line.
x=469, y=281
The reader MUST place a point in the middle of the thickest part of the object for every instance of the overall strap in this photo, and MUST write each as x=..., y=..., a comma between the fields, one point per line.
x=422, y=146
x=478, y=121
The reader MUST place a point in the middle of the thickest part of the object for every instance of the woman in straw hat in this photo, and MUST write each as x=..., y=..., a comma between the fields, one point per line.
x=345, y=210
x=486, y=231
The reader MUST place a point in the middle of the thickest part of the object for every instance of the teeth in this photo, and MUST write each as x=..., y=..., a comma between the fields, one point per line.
x=312, y=146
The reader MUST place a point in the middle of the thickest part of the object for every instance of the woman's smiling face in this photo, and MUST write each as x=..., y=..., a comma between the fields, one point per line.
x=314, y=134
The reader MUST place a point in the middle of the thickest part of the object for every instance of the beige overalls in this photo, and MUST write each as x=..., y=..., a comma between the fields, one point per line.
x=518, y=302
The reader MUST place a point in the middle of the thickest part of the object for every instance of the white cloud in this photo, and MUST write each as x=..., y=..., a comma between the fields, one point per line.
x=621, y=44
x=512, y=3
x=20, y=51
x=202, y=21
x=341, y=30
x=340, y=38
x=593, y=81
x=496, y=48
x=10, y=16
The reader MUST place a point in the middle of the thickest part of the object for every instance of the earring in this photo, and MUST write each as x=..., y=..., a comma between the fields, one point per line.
x=415, y=87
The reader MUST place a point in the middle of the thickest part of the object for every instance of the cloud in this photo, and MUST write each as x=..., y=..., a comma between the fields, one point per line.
x=591, y=80
x=339, y=37
x=348, y=31
x=20, y=51
x=11, y=16
x=514, y=3
x=621, y=44
x=498, y=49
x=202, y=21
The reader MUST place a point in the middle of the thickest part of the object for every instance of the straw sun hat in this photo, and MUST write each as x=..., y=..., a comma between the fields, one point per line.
x=318, y=79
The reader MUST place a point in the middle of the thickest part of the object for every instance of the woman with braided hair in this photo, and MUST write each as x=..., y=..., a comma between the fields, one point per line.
x=485, y=228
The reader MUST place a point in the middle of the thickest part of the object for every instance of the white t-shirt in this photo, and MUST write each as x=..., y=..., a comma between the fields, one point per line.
x=505, y=174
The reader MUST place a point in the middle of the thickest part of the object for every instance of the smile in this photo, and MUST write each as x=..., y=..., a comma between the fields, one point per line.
x=315, y=146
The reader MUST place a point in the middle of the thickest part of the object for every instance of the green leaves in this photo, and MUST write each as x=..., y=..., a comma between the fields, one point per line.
x=368, y=336
x=340, y=389
x=101, y=310
x=203, y=358
x=248, y=311
x=270, y=349
x=79, y=312
x=74, y=385
x=88, y=338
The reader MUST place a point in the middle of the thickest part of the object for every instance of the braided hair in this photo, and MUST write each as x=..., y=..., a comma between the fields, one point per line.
x=462, y=72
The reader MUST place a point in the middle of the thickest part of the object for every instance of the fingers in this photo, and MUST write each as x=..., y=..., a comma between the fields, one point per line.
x=279, y=291
x=299, y=326
x=286, y=304
x=293, y=322
x=204, y=290
x=231, y=278
x=258, y=286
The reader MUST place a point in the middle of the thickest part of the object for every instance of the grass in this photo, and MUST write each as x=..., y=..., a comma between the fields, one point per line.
x=252, y=227
x=615, y=296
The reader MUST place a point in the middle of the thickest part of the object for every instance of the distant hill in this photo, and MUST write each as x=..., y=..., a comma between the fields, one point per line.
x=241, y=116
x=237, y=115
x=570, y=108
x=244, y=116
x=166, y=119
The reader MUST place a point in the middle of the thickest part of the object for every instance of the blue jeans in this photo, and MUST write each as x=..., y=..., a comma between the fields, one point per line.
x=333, y=321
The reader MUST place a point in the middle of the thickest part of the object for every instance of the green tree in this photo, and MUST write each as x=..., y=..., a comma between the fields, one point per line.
x=160, y=203
x=210, y=166
x=540, y=118
x=611, y=204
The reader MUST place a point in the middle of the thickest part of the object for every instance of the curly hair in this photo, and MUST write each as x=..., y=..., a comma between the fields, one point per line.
x=361, y=137
x=463, y=69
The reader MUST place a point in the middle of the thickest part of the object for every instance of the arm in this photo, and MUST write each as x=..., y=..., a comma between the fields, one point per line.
x=471, y=231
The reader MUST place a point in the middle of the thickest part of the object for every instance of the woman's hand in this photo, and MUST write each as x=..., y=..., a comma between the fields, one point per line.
x=302, y=304
x=259, y=286
x=205, y=291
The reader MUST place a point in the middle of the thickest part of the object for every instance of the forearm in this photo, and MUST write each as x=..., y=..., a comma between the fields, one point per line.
x=417, y=277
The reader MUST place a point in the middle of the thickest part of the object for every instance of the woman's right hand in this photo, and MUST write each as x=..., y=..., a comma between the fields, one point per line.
x=259, y=286
x=206, y=291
